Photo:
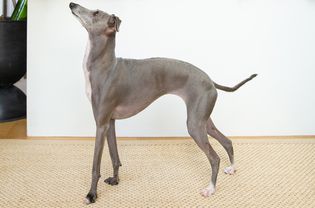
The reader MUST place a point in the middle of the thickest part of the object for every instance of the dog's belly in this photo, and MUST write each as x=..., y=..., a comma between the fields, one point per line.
x=132, y=108
x=127, y=110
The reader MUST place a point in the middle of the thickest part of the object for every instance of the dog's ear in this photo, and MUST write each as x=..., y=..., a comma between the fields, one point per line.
x=113, y=24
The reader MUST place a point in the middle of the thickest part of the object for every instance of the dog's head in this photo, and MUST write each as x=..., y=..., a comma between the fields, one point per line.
x=96, y=22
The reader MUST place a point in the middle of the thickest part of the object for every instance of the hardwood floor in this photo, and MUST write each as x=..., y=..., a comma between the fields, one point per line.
x=13, y=130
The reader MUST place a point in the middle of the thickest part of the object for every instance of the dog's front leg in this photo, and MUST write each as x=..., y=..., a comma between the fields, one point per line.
x=112, y=146
x=98, y=150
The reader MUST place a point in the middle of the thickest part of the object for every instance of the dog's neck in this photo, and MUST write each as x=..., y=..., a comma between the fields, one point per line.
x=102, y=52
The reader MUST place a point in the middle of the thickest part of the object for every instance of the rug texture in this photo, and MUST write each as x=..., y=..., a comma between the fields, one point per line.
x=270, y=173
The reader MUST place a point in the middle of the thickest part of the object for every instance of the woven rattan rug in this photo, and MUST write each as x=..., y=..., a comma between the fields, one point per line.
x=271, y=173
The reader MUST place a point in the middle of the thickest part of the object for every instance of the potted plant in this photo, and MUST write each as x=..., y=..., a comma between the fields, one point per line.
x=12, y=61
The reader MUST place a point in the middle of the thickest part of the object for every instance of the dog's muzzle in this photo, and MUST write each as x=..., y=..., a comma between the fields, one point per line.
x=72, y=5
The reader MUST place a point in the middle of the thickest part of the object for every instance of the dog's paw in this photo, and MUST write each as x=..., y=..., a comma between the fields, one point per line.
x=207, y=191
x=112, y=181
x=230, y=170
x=90, y=198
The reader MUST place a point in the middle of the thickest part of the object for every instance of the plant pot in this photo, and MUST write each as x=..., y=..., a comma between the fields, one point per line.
x=12, y=69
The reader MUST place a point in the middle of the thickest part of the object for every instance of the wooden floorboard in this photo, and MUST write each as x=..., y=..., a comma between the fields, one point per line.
x=13, y=129
x=17, y=130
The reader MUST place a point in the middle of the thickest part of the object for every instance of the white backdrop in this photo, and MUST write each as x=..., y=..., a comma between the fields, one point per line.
x=228, y=39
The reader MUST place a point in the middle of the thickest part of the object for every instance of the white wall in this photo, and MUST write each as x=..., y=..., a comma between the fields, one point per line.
x=228, y=39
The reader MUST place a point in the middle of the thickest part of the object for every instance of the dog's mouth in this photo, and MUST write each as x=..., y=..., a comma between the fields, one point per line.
x=72, y=6
x=74, y=13
x=81, y=20
x=77, y=16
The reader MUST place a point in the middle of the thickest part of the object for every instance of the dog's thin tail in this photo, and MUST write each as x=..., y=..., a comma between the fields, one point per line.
x=232, y=89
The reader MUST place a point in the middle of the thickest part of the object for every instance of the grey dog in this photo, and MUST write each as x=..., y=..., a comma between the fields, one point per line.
x=120, y=88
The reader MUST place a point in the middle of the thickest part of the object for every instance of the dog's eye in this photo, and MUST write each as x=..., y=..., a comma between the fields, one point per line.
x=95, y=13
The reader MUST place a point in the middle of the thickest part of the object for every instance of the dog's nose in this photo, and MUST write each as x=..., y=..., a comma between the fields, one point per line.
x=72, y=5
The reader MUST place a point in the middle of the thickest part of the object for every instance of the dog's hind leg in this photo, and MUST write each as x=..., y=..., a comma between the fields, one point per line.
x=225, y=142
x=198, y=111
x=112, y=146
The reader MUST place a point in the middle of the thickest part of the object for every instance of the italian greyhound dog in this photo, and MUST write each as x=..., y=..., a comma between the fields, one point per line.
x=120, y=88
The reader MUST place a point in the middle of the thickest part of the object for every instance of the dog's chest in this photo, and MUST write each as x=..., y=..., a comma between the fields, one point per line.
x=88, y=88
